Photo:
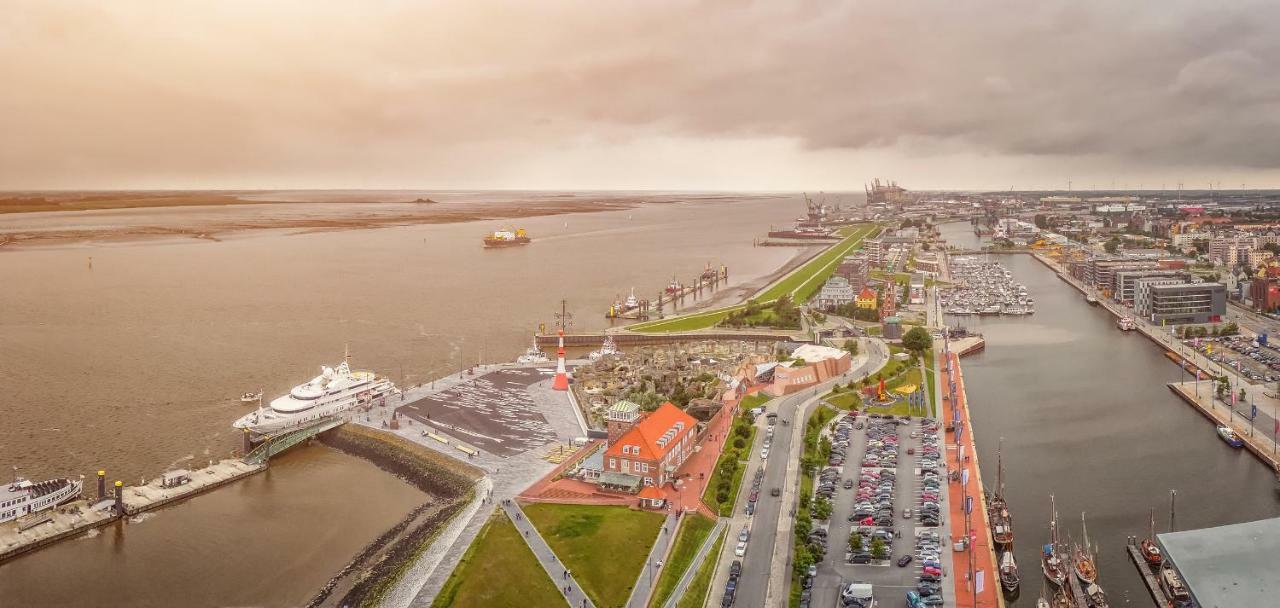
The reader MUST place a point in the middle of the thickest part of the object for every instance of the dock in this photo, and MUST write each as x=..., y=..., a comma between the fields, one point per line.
x=710, y=280
x=1077, y=593
x=140, y=499
x=1148, y=577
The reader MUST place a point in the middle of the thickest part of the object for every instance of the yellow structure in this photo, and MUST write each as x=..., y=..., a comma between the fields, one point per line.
x=866, y=299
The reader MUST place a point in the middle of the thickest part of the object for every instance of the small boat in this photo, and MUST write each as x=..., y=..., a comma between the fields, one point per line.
x=533, y=354
x=1091, y=299
x=1126, y=324
x=1095, y=596
x=1010, y=579
x=250, y=397
x=1229, y=436
x=607, y=349
x=1172, y=585
x=1150, y=550
x=673, y=287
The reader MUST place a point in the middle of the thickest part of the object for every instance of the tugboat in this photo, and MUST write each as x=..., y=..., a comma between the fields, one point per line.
x=1150, y=550
x=1010, y=579
x=1054, y=570
x=1229, y=436
x=506, y=238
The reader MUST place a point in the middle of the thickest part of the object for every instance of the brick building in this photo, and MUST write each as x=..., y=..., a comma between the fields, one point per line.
x=653, y=448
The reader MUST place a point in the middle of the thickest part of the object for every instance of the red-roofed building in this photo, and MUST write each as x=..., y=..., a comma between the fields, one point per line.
x=654, y=448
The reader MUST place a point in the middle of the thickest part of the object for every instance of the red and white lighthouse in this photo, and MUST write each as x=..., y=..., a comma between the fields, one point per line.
x=561, y=382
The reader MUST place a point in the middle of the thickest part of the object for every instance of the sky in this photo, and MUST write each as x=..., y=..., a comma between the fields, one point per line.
x=713, y=95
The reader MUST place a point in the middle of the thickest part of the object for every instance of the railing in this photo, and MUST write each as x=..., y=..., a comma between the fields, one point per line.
x=274, y=444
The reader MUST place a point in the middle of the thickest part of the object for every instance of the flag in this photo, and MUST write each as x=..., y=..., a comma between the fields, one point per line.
x=1254, y=413
x=968, y=504
x=979, y=580
x=964, y=477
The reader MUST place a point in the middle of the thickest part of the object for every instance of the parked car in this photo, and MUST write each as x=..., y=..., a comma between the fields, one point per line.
x=741, y=549
x=904, y=560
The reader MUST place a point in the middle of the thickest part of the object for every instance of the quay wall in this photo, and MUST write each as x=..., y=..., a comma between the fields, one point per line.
x=1258, y=443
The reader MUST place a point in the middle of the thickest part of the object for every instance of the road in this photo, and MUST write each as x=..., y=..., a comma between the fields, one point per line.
x=766, y=556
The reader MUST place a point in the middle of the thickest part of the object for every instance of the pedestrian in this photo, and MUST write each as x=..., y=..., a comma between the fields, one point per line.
x=526, y=534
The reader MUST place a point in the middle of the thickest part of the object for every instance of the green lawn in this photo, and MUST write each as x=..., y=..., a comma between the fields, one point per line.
x=801, y=283
x=604, y=546
x=739, y=458
x=694, y=530
x=498, y=569
x=696, y=596
x=754, y=400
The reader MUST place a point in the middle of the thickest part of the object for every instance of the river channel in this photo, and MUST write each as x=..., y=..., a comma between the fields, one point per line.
x=1082, y=412
x=135, y=363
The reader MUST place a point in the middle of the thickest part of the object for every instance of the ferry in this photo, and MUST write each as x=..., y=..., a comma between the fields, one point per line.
x=22, y=497
x=333, y=392
x=1126, y=324
x=506, y=238
x=1230, y=436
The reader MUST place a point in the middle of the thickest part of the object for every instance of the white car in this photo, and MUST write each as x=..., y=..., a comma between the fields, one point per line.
x=764, y=454
x=741, y=549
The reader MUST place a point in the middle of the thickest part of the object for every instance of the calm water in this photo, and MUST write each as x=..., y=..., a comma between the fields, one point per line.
x=1085, y=415
x=137, y=364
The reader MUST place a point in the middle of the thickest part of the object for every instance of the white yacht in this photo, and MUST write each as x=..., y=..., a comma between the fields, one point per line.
x=607, y=349
x=21, y=497
x=334, y=391
x=533, y=354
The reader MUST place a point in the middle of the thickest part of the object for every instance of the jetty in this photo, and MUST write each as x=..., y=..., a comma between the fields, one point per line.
x=1144, y=570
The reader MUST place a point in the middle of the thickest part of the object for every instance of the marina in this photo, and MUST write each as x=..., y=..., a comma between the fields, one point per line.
x=983, y=287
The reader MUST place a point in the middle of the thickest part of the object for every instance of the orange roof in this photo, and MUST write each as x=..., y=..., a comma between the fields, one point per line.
x=647, y=434
x=652, y=493
x=867, y=293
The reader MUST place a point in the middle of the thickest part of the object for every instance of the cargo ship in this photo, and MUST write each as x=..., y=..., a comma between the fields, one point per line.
x=507, y=238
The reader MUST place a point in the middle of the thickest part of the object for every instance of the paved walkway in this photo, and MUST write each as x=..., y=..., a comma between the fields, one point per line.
x=981, y=551
x=649, y=574
x=682, y=586
x=574, y=595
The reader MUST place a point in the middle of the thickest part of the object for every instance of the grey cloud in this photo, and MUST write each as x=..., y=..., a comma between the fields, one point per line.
x=227, y=91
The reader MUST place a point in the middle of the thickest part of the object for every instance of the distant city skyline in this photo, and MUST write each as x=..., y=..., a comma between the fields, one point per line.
x=639, y=95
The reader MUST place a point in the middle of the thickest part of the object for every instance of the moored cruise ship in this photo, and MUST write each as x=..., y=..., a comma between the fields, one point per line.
x=21, y=497
x=334, y=391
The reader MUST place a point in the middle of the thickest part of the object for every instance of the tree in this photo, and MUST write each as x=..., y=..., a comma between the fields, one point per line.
x=851, y=346
x=1112, y=244
x=855, y=542
x=917, y=340
x=878, y=550
x=1272, y=247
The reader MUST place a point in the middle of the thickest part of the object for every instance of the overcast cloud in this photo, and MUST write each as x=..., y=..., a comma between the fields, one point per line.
x=721, y=95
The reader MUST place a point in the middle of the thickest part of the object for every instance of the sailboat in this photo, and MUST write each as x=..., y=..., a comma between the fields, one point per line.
x=998, y=510
x=1150, y=550
x=1050, y=560
x=1085, y=569
x=1010, y=578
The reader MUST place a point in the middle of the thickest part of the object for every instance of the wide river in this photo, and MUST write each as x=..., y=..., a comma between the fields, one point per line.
x=135, y=363
x=1085, y=415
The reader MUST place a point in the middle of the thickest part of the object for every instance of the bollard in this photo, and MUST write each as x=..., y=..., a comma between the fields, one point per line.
x=119, y=498
x=102, y=484
x=247, y=445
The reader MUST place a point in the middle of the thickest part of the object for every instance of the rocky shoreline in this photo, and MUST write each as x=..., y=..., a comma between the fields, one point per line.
x=367, y=577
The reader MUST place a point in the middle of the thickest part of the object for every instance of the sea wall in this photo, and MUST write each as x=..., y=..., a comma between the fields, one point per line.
x=380, y=565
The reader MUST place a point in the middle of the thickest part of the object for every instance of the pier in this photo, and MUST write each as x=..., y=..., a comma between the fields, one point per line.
x=673, y=296
x=81, y=515
x=1144, y=570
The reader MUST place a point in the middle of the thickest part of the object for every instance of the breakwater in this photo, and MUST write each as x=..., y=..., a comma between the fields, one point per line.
x=379, y=566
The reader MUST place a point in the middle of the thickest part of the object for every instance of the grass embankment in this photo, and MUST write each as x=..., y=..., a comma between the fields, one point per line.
x=803, y=281
x=498, y=569
x=603, y=546
x=696, y=595
x=816, y=452
x=753, y=400
x=722, y=489
x=694, y=529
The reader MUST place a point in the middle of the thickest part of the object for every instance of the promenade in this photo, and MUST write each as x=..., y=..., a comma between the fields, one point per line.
x=977, y=583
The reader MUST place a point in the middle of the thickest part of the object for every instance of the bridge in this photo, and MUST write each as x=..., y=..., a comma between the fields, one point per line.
x=274, y=444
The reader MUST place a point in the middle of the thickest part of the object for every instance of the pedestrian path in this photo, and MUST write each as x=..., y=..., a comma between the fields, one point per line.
x=682, y=586
x=574, y=595
x=649, y=574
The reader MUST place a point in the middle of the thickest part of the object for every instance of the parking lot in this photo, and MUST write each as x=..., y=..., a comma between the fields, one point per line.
x=874, y=475
x=1257, y=363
